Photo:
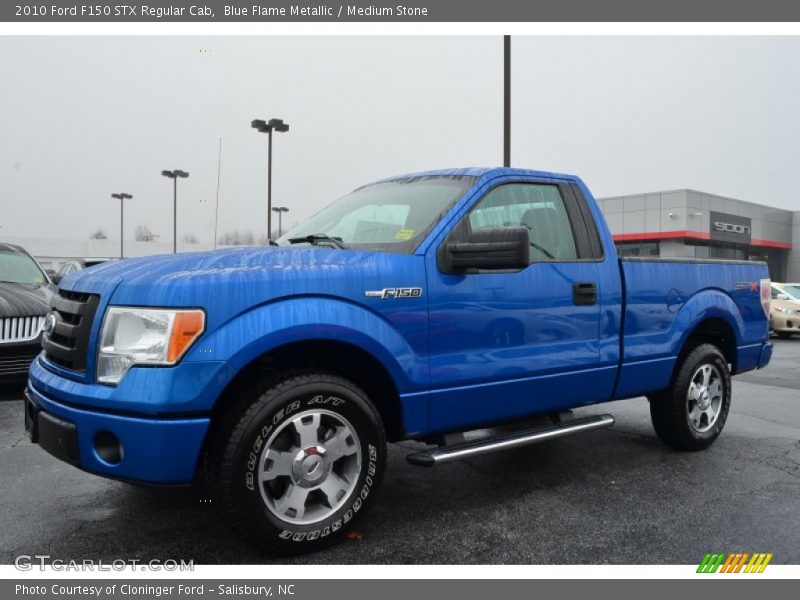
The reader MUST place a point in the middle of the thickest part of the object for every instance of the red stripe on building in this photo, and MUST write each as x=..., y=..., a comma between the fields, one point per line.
x=771, y=244
x=660, y=235
x=696, y=235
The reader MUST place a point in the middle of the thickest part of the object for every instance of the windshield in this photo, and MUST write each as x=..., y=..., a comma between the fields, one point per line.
x=20, y=268
x=391, y=216
x=792, y=290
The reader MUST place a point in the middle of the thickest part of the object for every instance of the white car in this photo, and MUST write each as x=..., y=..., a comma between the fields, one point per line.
x=784, y=315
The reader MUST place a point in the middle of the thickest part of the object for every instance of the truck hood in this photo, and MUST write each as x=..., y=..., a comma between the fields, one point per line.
x=195, y=267
x=229, y=282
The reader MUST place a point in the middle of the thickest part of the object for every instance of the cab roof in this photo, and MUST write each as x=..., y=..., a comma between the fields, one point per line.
x=484, y=173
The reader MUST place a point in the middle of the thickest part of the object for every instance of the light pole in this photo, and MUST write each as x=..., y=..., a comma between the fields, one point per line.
x=280, y=210
x=506, y=100
x=267, y=127
x=121, y=197
x=174, y=176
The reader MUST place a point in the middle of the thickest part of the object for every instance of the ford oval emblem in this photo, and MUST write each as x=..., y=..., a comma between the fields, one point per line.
x=49, y=323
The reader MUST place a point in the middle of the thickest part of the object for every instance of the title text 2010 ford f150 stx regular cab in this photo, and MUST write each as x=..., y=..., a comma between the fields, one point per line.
x=413, y=308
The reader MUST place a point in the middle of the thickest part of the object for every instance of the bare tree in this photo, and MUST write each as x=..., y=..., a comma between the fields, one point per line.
x=99, y=234
x=143, y=234
x=189, y=238
x=237, y=238
x=229, y=238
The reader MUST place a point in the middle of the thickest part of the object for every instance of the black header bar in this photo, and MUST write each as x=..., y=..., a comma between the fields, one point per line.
x=401, y=10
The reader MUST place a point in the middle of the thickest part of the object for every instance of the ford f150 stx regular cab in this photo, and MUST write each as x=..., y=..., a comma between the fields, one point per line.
x=418, y=307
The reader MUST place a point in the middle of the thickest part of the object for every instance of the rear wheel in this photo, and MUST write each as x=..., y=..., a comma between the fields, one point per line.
x=691, y=414
x=296, y=461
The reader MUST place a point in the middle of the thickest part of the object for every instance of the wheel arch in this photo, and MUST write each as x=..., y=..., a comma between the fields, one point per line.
x=714, y=330
x=711, y=317
x=338, y=357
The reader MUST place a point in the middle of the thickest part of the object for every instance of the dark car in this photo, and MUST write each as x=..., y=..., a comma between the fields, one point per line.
x=73, y=266
x=25, y=292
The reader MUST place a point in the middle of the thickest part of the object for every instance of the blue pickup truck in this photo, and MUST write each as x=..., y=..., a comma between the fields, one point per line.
x=419, y=307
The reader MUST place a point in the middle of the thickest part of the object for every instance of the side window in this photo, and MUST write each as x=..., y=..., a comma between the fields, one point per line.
x=775, y=293
x=538, y=207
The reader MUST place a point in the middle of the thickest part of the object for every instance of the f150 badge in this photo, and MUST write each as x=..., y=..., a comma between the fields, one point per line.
x=401, y=292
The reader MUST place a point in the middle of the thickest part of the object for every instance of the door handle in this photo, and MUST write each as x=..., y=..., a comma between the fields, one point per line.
x=584, y=293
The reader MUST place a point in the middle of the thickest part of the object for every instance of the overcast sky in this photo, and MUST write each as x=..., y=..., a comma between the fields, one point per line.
x=81, y=118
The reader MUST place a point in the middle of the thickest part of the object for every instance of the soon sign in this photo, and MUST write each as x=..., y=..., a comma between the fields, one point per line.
x=732, y=228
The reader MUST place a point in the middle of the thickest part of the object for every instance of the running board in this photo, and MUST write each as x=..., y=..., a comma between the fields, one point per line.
x=507, y=441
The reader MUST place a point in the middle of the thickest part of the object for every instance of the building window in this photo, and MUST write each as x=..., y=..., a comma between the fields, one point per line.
x=644, y=249
x=775, y=259
x=696, y=248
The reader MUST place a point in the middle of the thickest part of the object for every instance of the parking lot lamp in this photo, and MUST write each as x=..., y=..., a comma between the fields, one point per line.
x=121, y=197
x=267, y=127
x=174, y=175
x=280, y=210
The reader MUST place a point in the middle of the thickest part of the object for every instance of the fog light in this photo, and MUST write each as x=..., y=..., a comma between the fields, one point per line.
x=108, y=447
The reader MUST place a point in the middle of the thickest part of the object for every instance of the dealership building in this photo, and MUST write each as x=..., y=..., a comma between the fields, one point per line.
x=692, y=224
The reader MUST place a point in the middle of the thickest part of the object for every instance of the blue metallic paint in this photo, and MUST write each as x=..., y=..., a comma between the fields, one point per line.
x=658, y=323
x=164, y=451
x=189, y=387
x=448, y=371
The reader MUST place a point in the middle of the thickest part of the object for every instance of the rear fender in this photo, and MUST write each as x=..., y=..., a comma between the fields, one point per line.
x=707, y=304
x=650, y=356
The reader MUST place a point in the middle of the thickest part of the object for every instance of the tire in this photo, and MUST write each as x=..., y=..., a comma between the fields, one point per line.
x=691, y=414
x=784, y=335
x=295, y=461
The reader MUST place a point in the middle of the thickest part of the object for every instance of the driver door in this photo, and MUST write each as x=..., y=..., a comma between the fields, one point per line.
x=504, y=344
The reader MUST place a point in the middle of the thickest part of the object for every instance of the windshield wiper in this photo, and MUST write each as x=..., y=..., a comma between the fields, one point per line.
x=319, y=237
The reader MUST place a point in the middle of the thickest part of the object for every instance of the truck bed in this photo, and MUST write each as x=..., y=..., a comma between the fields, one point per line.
x=666, y=299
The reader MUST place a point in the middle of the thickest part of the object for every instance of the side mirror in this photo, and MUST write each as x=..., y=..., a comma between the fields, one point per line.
x=56, y=278
x=496, y=249
x=783, y=297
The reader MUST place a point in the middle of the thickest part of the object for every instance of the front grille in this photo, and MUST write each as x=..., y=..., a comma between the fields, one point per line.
x=20, y=329
x=66, y=345
x=15, y=365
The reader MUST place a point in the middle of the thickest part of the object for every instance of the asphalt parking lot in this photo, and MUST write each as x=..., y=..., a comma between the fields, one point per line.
x=610, y=496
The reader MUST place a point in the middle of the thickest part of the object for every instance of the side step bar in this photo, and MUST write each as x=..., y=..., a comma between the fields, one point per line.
x=471, y=448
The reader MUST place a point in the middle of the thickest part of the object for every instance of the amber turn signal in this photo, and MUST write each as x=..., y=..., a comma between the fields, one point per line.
x=186, y=328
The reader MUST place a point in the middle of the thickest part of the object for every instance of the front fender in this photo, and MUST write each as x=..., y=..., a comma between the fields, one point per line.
x=266, y=327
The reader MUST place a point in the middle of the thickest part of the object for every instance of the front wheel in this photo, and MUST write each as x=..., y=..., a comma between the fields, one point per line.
x=690, y=415
x=296, y=461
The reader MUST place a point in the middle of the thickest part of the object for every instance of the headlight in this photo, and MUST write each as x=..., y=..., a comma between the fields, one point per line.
x=144, y=336
x=785, y=311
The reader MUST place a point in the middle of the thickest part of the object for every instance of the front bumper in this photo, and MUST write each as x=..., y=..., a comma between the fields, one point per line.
x=785, y=323
x=151, y=450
